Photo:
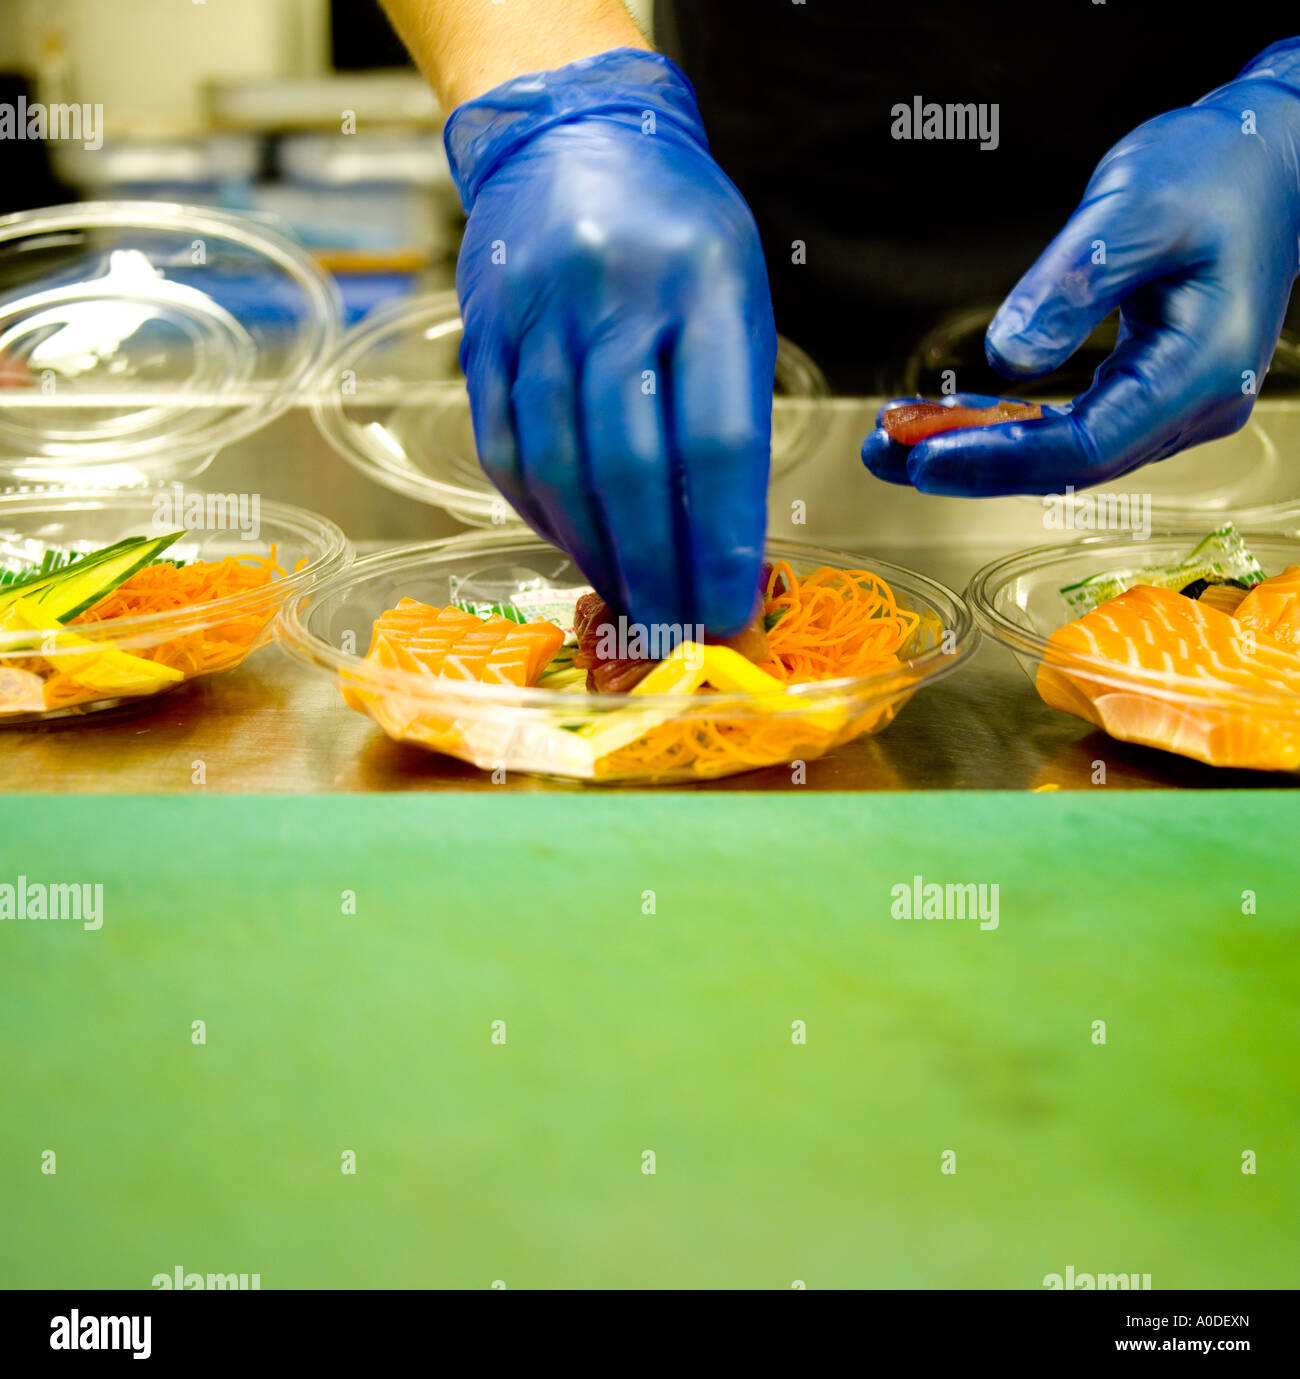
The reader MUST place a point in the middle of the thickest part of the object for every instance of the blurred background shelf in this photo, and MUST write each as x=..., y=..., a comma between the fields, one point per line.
x=305, y=112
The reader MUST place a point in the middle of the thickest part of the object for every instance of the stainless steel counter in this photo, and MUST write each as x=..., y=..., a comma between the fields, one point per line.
x=273, y=726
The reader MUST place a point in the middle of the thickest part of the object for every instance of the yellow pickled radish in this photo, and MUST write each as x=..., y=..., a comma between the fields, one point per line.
x=680, y=672
x=96, y=665
x=732, y=673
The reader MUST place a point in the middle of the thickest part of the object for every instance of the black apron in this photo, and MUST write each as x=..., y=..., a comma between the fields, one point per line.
x=900, y=234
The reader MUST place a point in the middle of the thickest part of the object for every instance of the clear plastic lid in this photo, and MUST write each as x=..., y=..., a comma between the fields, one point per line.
x=394, y=403
x=137, y=339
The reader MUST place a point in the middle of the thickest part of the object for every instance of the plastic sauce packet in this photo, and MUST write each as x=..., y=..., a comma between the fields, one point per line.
x=555, y=605
x=1221, y=555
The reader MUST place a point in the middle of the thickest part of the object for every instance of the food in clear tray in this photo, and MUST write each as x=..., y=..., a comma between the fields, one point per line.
x=826, y=625
x=1209, y=669
x=57, y=668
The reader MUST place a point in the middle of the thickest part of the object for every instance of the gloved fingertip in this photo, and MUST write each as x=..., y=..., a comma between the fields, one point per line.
x=1012, y=356
x=727, y=625
x=647, y=607
x=883, y=459
x=938, y=475
x=1025, y=340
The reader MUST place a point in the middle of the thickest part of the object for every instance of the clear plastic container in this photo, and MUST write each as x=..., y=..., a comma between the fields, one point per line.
x=1018, y=601
x=394, y=404
x=1250, y=476
x=641, y=739
x=137, y=339
x=85, y=666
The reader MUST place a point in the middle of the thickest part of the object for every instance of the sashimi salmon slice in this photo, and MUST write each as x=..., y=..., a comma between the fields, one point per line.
x=913, y=422
x=1208, y=714
x=1273, y=608
x=455, y=645
x=411, y=619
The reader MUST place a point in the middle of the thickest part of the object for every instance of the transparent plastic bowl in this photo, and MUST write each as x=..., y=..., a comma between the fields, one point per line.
x=53, y=671
x=139, y=338
x=1017, y=601
x=539, y=731
x=394, y=404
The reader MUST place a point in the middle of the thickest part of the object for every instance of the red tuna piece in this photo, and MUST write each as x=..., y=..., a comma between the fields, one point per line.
x=912, y=423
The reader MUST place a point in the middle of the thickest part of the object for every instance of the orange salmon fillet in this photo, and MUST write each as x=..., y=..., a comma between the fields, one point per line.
x=456, y=645
x=1209, y=715
x=411, y=620
x=1273, y=608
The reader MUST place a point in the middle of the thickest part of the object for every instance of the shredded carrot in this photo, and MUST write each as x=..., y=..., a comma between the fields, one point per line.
x=708, y=747
x=158, y=588
x=833, y=624
x=165, y=587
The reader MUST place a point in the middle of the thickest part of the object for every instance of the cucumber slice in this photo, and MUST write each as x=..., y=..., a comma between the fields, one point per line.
x=64, y=593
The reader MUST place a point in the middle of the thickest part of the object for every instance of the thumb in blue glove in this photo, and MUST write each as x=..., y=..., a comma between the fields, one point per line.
x=1189, y=225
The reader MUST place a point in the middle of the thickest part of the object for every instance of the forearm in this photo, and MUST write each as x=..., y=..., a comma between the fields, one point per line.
x=466, y=47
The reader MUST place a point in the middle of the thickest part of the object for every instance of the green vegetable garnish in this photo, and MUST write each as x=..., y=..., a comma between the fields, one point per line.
x=490, y=610
x=64, y=586
x=1222, y=555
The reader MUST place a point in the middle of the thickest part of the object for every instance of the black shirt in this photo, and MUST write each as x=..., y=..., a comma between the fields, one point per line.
x=799, y=101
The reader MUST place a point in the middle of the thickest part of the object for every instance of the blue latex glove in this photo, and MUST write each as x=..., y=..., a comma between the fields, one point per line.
x=1199, y=212
x=619, y=341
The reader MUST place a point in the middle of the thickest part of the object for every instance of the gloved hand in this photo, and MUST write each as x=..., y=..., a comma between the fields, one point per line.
x=1190, y=226
x=619, y=341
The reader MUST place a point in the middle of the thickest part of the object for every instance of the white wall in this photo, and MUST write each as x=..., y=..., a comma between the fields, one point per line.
x=147, y=61
x=642, y=11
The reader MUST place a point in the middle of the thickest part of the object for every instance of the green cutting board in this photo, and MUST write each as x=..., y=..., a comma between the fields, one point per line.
x=650, y=955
